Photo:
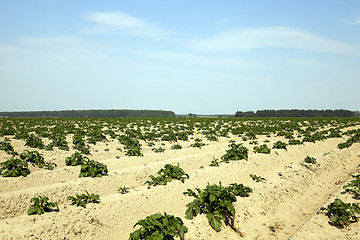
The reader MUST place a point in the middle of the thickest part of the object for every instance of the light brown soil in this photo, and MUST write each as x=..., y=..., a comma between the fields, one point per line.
x=285, y=206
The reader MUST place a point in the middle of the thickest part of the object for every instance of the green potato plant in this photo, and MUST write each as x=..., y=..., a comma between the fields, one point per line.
x=235, y=153
x=123, y=190
x=83, y=199
x=214, y=162
x=158, y=226
x=76, y=159
x=41, y=205
x=279, y=145
x=166, y=174
x=216, y=202
x=354, y=186
x=34, y=142
x=6, y=146
x=91, y=168
x=198, y=143
x=14, y=168
x=176, y=147
x=309, y=159
x=159, y=150
x=37, y=159
x=262, y=149
x=341, y=214
x=257, y=178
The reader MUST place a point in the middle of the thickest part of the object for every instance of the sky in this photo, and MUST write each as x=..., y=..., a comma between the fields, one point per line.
x=203, y=57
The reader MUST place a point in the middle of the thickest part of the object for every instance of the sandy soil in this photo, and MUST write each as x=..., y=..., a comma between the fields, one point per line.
x=283, y=207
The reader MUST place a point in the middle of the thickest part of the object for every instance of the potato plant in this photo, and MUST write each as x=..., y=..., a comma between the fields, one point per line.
x=214, y=162
x=279, y=145
x=354, y=186
x=166, y=174
x=235, y=152
x=76, y=159
x=216, y=202
x=59, y=141
x=262, y=149
x=83, y=199
x=132, y=145
x=159, y=150
x=309, y=159
x=123, y=190
x=342, y=214
x=176, y=147
x=198, y=143
x=294, y=142
x=158, y=226
x=34, y=141
x=6, y=146
x=91, y=168
x=37, y=159
x=41, y=205
x=257, y=178
x=14, y=168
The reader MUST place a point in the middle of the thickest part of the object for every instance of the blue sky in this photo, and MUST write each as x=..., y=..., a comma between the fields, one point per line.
x=203, y=57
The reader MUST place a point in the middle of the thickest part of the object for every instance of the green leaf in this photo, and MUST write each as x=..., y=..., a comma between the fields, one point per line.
x=214, y=221
x=212, y=197
x=189, y=213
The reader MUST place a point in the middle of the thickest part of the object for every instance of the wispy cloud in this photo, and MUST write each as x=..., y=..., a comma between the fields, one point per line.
x=271, y=37
x=357, y=20
x=50, y=41
x=183, y=58
x=57, y=46
x=123, y=23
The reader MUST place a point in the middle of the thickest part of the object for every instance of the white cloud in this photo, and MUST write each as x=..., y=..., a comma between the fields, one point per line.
x=357, y=20
x=123, y=23
x=194, y=59
x=50, y=41
x=272, y=37
x=298, y=62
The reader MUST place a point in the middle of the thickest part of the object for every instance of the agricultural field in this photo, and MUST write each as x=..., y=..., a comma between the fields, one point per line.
x=187, y=178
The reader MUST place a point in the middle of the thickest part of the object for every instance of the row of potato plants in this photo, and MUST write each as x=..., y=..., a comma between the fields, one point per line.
x=93, y=131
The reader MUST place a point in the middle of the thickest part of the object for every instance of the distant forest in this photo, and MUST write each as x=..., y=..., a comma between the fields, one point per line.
x=298, y=113
x=93, y=114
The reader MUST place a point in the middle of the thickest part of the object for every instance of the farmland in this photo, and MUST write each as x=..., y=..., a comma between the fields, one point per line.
x=101, y=176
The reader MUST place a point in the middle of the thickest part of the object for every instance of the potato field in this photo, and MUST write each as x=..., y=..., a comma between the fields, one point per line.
x=180, y=178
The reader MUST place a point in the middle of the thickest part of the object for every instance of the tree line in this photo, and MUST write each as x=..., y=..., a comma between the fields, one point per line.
x=92, y=114
x=298, y=113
